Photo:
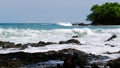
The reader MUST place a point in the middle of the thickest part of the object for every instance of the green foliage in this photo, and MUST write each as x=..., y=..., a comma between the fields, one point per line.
x=106, y=14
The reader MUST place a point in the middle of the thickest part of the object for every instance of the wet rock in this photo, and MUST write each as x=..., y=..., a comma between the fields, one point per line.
x=75, y=36
x=74, y=56
x=80, y=24
x=11, y=63
x=108, y=53
x=31, y=44
x=95, y=65
x=110, y=45
x=114, y=63
x=69, y=63
x=73, y=41
x=48, y=43
x=70, y=41
x=11, y=45
x=112, y=52
x=111, y=38
x=41, y=43
x=59, y=66
x=19, y=46
x=23, y=46
x=62, y=42
x=6, y=44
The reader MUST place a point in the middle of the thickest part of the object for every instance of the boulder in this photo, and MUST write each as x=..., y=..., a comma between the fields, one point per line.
x=95, y=65
x=75, y=36
x=73, y=41
x=20, y=46
x=70, y=41
x=11, y=45
x=69, y=63
x=6, y=44
x=40, y=43
x=110, y=45
x=48, y=43
x=114, y=63
x=111, y=38
x=62, y=42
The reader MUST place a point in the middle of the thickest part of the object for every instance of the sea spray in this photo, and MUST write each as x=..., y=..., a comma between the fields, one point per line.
x=64, y=24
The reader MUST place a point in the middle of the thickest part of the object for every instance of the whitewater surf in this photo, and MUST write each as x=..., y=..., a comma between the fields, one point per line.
x=92, y=37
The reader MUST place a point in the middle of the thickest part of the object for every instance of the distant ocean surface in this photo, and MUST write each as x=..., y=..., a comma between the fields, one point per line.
x=47, y=26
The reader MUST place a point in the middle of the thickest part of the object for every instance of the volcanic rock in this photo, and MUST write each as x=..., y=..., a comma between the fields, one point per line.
x=6, y=44
x=75, y=57
x=75, y=36
x=70, y=41
x=114, y=63
x=111, y=38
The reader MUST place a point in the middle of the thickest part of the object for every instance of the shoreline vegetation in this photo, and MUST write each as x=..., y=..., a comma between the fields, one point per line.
x=105, y=14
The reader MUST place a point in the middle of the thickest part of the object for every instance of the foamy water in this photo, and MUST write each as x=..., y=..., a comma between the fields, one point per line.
x=85, y=35
x=93, y=38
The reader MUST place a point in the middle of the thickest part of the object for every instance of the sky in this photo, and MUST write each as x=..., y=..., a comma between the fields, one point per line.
x=47, y=11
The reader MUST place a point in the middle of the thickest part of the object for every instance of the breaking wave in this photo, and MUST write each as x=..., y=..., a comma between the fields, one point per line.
x=64, y=24
x=92, y=39
x=54, y=35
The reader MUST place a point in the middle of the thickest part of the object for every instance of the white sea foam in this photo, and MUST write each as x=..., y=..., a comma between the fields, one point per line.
x=88, y=36
x=93, y=40
x=64, y=24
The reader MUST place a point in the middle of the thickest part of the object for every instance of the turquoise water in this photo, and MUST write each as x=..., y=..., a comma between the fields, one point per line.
x=32, y=25
x=47, y=26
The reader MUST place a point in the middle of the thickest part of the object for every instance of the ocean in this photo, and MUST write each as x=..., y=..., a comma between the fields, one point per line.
x=92, y=37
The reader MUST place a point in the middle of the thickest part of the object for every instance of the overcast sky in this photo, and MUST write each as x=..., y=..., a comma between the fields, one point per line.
x=46, y=11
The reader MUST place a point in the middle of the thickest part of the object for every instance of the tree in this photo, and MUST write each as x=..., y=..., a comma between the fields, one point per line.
x=106, y=14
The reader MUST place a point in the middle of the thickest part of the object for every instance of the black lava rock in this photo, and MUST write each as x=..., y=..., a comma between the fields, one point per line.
x=70, y=41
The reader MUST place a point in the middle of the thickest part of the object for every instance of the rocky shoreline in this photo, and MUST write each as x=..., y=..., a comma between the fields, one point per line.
x=20, y=59
x=39, y=44
x=80, y=24
x=4, y=44
x=76, y=57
